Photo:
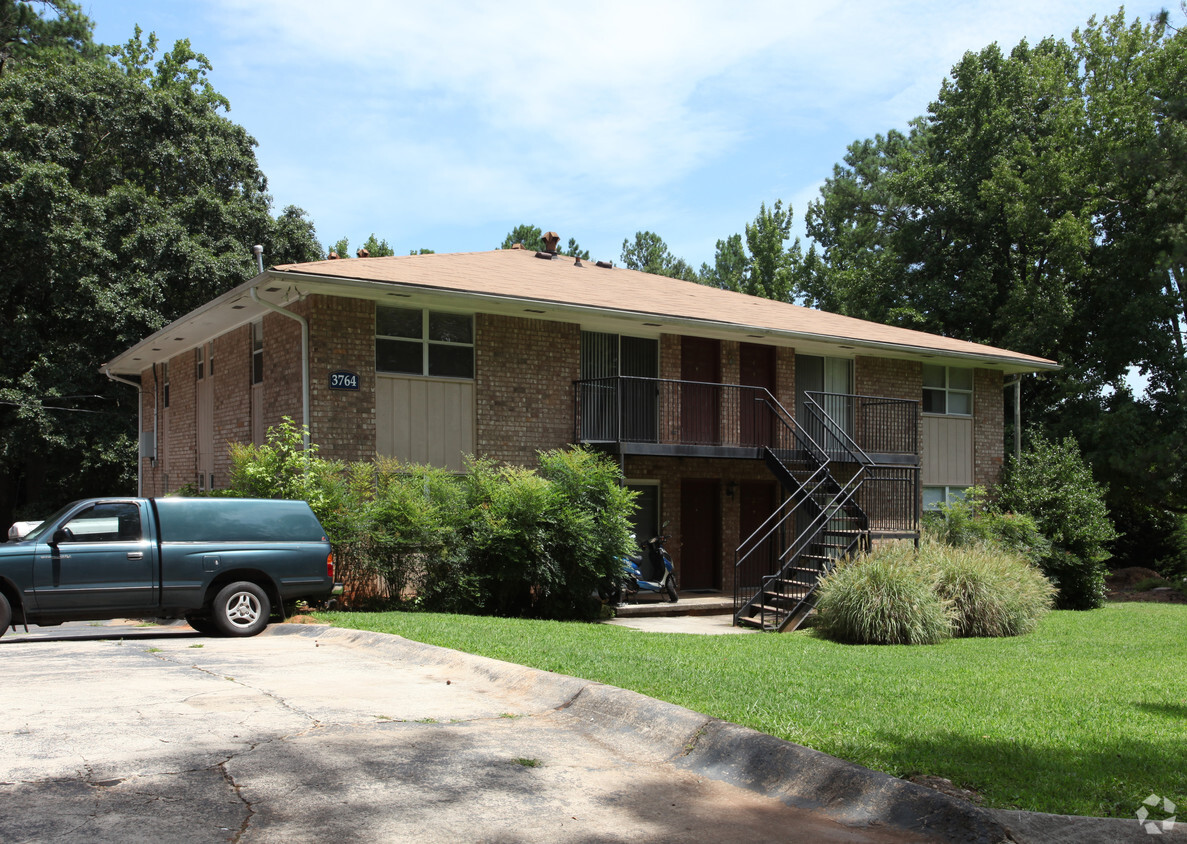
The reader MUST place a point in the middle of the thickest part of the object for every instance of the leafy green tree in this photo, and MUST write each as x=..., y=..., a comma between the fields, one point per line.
x=574, y=250
x=1039, y=206
x=127, y=198
x=648, y=253
x=1052, y=484
x=27, y=32
x=762, y=266
x=532, y=237
x=422, y=251
x=377, y=248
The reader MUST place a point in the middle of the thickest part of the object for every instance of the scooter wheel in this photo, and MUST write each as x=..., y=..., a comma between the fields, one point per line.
x=671, y=589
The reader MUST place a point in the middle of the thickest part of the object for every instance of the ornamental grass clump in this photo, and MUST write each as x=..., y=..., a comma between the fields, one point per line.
x=991, y=592
x=885, y=598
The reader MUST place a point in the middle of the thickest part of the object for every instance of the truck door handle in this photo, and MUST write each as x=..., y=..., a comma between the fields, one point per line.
x=135, y=555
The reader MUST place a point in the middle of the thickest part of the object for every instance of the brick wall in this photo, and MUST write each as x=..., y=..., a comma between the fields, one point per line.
x=232, y=398
x=181, y=444
x=342, y=336
x=785, y=378
x=282, y=366
x=988, y=426
x=524, y=374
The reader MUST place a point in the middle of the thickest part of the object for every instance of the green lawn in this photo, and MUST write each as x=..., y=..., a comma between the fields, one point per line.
x=1085, y=716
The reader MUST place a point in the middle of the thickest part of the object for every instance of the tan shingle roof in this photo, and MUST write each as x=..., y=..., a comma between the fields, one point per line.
x=518, y=274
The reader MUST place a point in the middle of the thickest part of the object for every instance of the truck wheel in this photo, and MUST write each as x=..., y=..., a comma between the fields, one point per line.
x=201, y=625
x=240, y=609
x=5, y=615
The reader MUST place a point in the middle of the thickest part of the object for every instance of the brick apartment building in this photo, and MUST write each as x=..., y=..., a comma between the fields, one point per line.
x=727, y=412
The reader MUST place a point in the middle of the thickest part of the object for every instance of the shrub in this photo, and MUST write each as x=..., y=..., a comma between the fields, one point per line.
x=885, y=598
x=497, y=540
x=992, y=593
x=974, y=520
x=1052, y=484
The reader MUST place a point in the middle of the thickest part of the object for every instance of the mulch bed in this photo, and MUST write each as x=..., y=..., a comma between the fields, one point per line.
x=1119, y=587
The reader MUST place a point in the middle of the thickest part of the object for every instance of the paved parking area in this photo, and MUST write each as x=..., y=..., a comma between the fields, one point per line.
x=313, y=734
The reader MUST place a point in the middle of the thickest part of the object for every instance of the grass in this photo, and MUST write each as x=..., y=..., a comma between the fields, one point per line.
x=1084, y=716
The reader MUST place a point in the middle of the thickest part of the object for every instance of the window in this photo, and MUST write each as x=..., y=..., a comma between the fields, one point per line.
x=934, y=496
x=411, y=341
x=165, y=381
x=947, y=390
x=200, y=362
x=257, y=352
x=112, y=522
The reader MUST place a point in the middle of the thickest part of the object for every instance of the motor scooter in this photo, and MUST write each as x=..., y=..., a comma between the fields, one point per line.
x=650, y=570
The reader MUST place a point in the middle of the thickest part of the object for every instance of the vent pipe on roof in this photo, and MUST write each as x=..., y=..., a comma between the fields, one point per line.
x=362, y=252
x=551, y=239
x=258, y=251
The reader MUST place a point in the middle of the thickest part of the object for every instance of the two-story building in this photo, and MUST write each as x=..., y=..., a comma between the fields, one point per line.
x=762, y=434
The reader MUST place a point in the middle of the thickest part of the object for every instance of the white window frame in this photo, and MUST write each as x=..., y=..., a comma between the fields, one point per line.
x=426, y=343
x=948, y=391
x=949, y=493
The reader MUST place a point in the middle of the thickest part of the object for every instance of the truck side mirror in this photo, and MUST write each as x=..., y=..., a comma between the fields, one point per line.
x=62, y=535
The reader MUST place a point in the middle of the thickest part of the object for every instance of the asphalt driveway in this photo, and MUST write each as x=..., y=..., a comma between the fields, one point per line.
x=316, y=734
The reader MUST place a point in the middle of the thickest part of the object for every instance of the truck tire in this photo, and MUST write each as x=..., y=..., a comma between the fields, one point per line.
x=240, y=609
x=5, y=614
x=202, y=625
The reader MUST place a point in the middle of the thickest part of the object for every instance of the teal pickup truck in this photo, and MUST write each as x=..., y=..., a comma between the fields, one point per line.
x=222, y=564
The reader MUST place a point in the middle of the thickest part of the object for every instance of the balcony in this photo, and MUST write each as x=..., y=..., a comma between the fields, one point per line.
x=687, y=418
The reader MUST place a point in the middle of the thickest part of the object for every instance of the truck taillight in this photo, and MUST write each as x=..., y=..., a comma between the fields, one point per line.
x=330, y=566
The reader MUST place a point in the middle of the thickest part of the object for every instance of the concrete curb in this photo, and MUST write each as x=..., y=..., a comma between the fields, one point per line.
x=796, y=775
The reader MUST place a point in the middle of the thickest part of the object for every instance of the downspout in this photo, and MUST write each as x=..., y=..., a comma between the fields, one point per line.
x=255, y=297
x=139, y=422
x=1017, y=385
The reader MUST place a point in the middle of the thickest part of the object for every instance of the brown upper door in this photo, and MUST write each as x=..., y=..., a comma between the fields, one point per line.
x=700, y=361
x=757, y=365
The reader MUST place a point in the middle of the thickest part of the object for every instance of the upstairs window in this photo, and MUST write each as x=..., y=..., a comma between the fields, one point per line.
x=411, y=341
x=165, y=382
x=947, y=390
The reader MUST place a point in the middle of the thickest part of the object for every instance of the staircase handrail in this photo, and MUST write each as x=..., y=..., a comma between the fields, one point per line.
x=834, y=428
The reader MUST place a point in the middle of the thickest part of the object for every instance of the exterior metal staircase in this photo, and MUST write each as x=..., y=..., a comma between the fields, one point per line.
x=779, y=567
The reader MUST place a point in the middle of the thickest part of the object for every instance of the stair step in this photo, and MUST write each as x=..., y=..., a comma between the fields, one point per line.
x=749, y=621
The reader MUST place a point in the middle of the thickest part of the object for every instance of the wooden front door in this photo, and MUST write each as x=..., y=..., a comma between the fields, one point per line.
x=700, y=362
x=757, y=370
x=700, y=534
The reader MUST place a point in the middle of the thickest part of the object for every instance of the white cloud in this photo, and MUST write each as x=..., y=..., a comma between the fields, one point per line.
x=530, y=109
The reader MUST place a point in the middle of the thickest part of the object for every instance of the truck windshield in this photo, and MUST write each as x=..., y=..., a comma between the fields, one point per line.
x=38, y=531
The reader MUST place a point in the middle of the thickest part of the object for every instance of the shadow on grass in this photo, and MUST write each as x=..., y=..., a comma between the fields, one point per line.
x=1108, y=778
x=1177, y=711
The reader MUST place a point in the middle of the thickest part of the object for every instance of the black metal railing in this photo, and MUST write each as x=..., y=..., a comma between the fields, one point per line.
x=862, y=425
x=663, y=411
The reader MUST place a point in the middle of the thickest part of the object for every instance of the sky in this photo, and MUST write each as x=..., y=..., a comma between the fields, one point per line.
x=444, y=125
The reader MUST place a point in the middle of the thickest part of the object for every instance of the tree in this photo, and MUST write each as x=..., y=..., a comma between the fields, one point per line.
x=574, y=250
x=650, y=254
x=377, y=248
x=126, y=199
x=1039, y=206
x=532, y=237
x=761, y=267
x=24, y=33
